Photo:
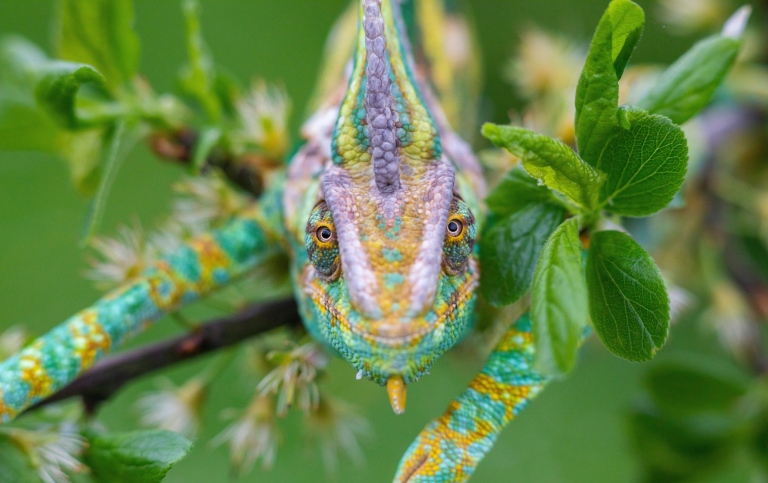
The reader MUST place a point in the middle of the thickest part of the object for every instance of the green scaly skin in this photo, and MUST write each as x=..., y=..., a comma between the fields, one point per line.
x=379, y=213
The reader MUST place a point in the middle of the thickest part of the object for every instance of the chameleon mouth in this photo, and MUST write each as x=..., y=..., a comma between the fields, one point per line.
x=389, y=331
x=392, y=352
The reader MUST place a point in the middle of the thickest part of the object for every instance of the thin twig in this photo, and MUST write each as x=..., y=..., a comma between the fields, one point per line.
x=105, y=378
x=178, y=146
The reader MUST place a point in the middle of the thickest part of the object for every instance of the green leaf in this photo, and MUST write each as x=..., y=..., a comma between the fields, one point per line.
x=136, y=456
x=690, y=386
x=597, y=94
x=23, y=125
x=515, y=192
x=559, y=307
x=199, y=77
x=510, y=248
x=15, y=465
x=114, y=156
x=687, y=86
x=57, y=91
x=628, y=300
x=209, y=136
x=99, y=33
x=755, y=252
x=82, y=150
x=678, y=449
x=645, y=165
x=550, y=161
x=760, y=442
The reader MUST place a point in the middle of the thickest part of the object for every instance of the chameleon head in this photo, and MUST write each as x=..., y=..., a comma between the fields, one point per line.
x=391, y=273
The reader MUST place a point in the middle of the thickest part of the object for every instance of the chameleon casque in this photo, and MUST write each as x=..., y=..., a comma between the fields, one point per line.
x=379, y=212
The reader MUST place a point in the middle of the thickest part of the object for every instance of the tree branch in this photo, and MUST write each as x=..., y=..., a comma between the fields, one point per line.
x=106, y=377
x=179, y=146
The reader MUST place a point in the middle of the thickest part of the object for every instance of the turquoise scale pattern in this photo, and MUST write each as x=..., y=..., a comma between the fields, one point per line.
x=201, y=266
x=451, y=446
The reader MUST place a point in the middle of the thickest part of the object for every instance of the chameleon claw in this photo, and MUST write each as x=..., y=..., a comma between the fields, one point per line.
x=396, y=391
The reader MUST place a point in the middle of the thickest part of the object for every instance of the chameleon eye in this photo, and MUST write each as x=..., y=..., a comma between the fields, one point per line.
x=459, y=238
x=324, y=234
x=455, y=228
x=320, y=242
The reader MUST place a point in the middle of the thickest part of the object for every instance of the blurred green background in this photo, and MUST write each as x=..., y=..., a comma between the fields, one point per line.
x=574, y=432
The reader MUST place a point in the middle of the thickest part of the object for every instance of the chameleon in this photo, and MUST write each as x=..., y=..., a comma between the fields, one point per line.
x=379, y=211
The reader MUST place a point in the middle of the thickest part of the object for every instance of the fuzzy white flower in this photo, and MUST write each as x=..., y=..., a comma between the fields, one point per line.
x=175, y=408
x=263, y=113
x=293, y=378
x=545, y=70
x=54, y=452
x=120, y=259
x=336, y=428
x=206, y=201
x=172, y=235
x=252, y=436
x=545, y=64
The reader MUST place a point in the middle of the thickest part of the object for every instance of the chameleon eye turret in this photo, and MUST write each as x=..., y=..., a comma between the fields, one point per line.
x=460, y=236
x=320, y=242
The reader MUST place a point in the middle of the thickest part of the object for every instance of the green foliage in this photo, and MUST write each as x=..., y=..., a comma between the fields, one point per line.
x=23, y=125
x=510, y=249
x=630, y=162
x=58, y=88
x=99, y=33
x=675, y=449
x=515, y=192
x=14, y=464
x=198, y=78
x=701, y=415
x=628, y=300
x=113, y=159
x=209, y=137
x=550, y=161
x=597, y=95
x=687, y=86
x=689, y=387
x=645, y=165
x=84, y=107
x=137, y=456
x=559, y=300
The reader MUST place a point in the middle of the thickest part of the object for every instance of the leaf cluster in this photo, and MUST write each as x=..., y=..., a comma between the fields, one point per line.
x=34, y=451
x=700, y=417
x=89, y=104
x=554, y=222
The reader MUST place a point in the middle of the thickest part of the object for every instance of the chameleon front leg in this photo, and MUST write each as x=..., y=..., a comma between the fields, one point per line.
x=200, y=266
x=451, y=446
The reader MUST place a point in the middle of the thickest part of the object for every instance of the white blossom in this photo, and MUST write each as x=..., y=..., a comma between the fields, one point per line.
x=263, y=114
x=293, y=377
x=54, y=452
x=120, y=259
x=175, y=408
x=336, y=428
x=252, y=436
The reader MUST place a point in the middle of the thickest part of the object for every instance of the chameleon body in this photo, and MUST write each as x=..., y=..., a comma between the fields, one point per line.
x=379, y=211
